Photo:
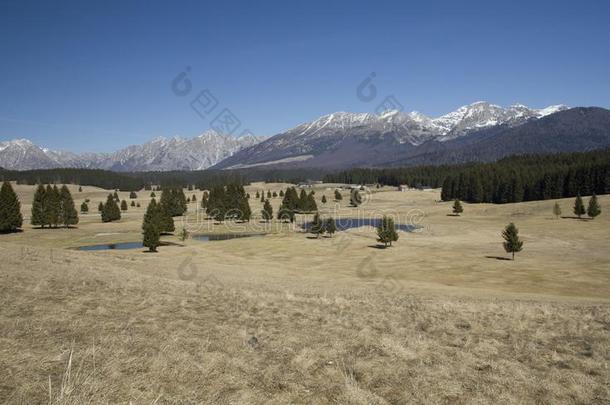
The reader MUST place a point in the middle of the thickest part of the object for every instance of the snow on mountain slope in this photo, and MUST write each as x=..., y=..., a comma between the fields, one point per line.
x=331, y=132
x=160, y=154
x=340, y=136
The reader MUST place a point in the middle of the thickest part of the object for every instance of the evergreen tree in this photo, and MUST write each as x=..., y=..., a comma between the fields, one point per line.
x=194, y=198
x=386, y=231
x=262, y=197
x=84, y=208
x=579, y=207
x=338, y=196
x=138, y=205
x=151, y=228
x=68, y=214
x=216, y=203
x=166, y=221
x=52, y=206
x=116, y=197
x=512, y=243
x=457, y=207
x=123, y=205
x=317, y=226
x=80, y=189
x=310, y=203
x=100, y=207
x=285, y=213
x=111, y=211
x=331, y=226
x=10, y=209
x=133, y=203
x=355, y=199
x=257, y=195
x=190, y=187
x=267, y=211
x=281, y=193
x=38, y=216
x=133, y=195
x=274, y=194
x=268, y=194
x=153, y=195
x=302, y=204
x=593, y=209
x=323, y=199
x=243, y=206
x=557, y=210
x=204, y=201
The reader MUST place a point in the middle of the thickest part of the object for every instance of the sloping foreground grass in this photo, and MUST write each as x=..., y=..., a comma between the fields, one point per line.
x=94, y=328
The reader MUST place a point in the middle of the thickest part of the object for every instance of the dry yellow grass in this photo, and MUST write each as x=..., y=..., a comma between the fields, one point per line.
x=287, y=319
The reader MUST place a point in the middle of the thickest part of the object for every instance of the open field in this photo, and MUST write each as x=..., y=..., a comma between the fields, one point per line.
x=286, y=318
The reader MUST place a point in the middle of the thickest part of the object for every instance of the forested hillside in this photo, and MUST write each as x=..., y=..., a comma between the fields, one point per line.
x=513, y=179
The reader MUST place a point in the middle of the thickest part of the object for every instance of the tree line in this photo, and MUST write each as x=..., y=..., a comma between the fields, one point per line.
x=513, y=179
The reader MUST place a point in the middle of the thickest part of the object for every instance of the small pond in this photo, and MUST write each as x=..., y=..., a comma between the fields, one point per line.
x=139, y=245
x=344, y=224
x=113, y=246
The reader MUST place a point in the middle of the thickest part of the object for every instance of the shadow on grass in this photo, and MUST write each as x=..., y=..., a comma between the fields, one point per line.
x=12, y=231
x=579, y=219
x=378, y=246
x=499, y=258
x=453, y=215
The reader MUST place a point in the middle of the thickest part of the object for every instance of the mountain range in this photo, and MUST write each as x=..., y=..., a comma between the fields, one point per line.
x=160, y=154
x=477, y=132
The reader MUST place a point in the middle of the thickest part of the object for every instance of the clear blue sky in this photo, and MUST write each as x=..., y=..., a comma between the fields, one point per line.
x=96, y=76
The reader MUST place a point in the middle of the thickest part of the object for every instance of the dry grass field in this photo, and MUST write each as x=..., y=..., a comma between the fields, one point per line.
x=440, y=317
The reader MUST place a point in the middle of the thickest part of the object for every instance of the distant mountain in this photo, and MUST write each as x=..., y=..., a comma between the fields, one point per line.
x=348, y=139
x=160, y=154
x=477, y=132
x=579, y=129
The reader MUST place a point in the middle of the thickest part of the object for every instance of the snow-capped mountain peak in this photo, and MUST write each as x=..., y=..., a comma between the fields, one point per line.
x=160, y=153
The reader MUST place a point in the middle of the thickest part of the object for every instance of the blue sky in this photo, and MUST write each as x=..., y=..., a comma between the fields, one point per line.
x=97, y=76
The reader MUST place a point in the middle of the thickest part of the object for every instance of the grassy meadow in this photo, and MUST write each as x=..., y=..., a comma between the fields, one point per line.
x=440, y=317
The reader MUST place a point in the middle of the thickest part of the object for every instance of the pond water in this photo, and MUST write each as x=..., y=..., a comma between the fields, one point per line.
x=114, y=246
x=139, y=245
x=344, y=224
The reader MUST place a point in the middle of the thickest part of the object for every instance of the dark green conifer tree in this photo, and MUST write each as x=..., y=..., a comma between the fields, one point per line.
x=317, y=226
x=68, y=214
x=151, y=227
x=38, y=216
x=593, y=209
x=386, y=231
x=457, y=208
x=84, y=208
x=512, y=243
x=267, y=211
x=10, y=209
x=111, y=211
x=579, y=207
